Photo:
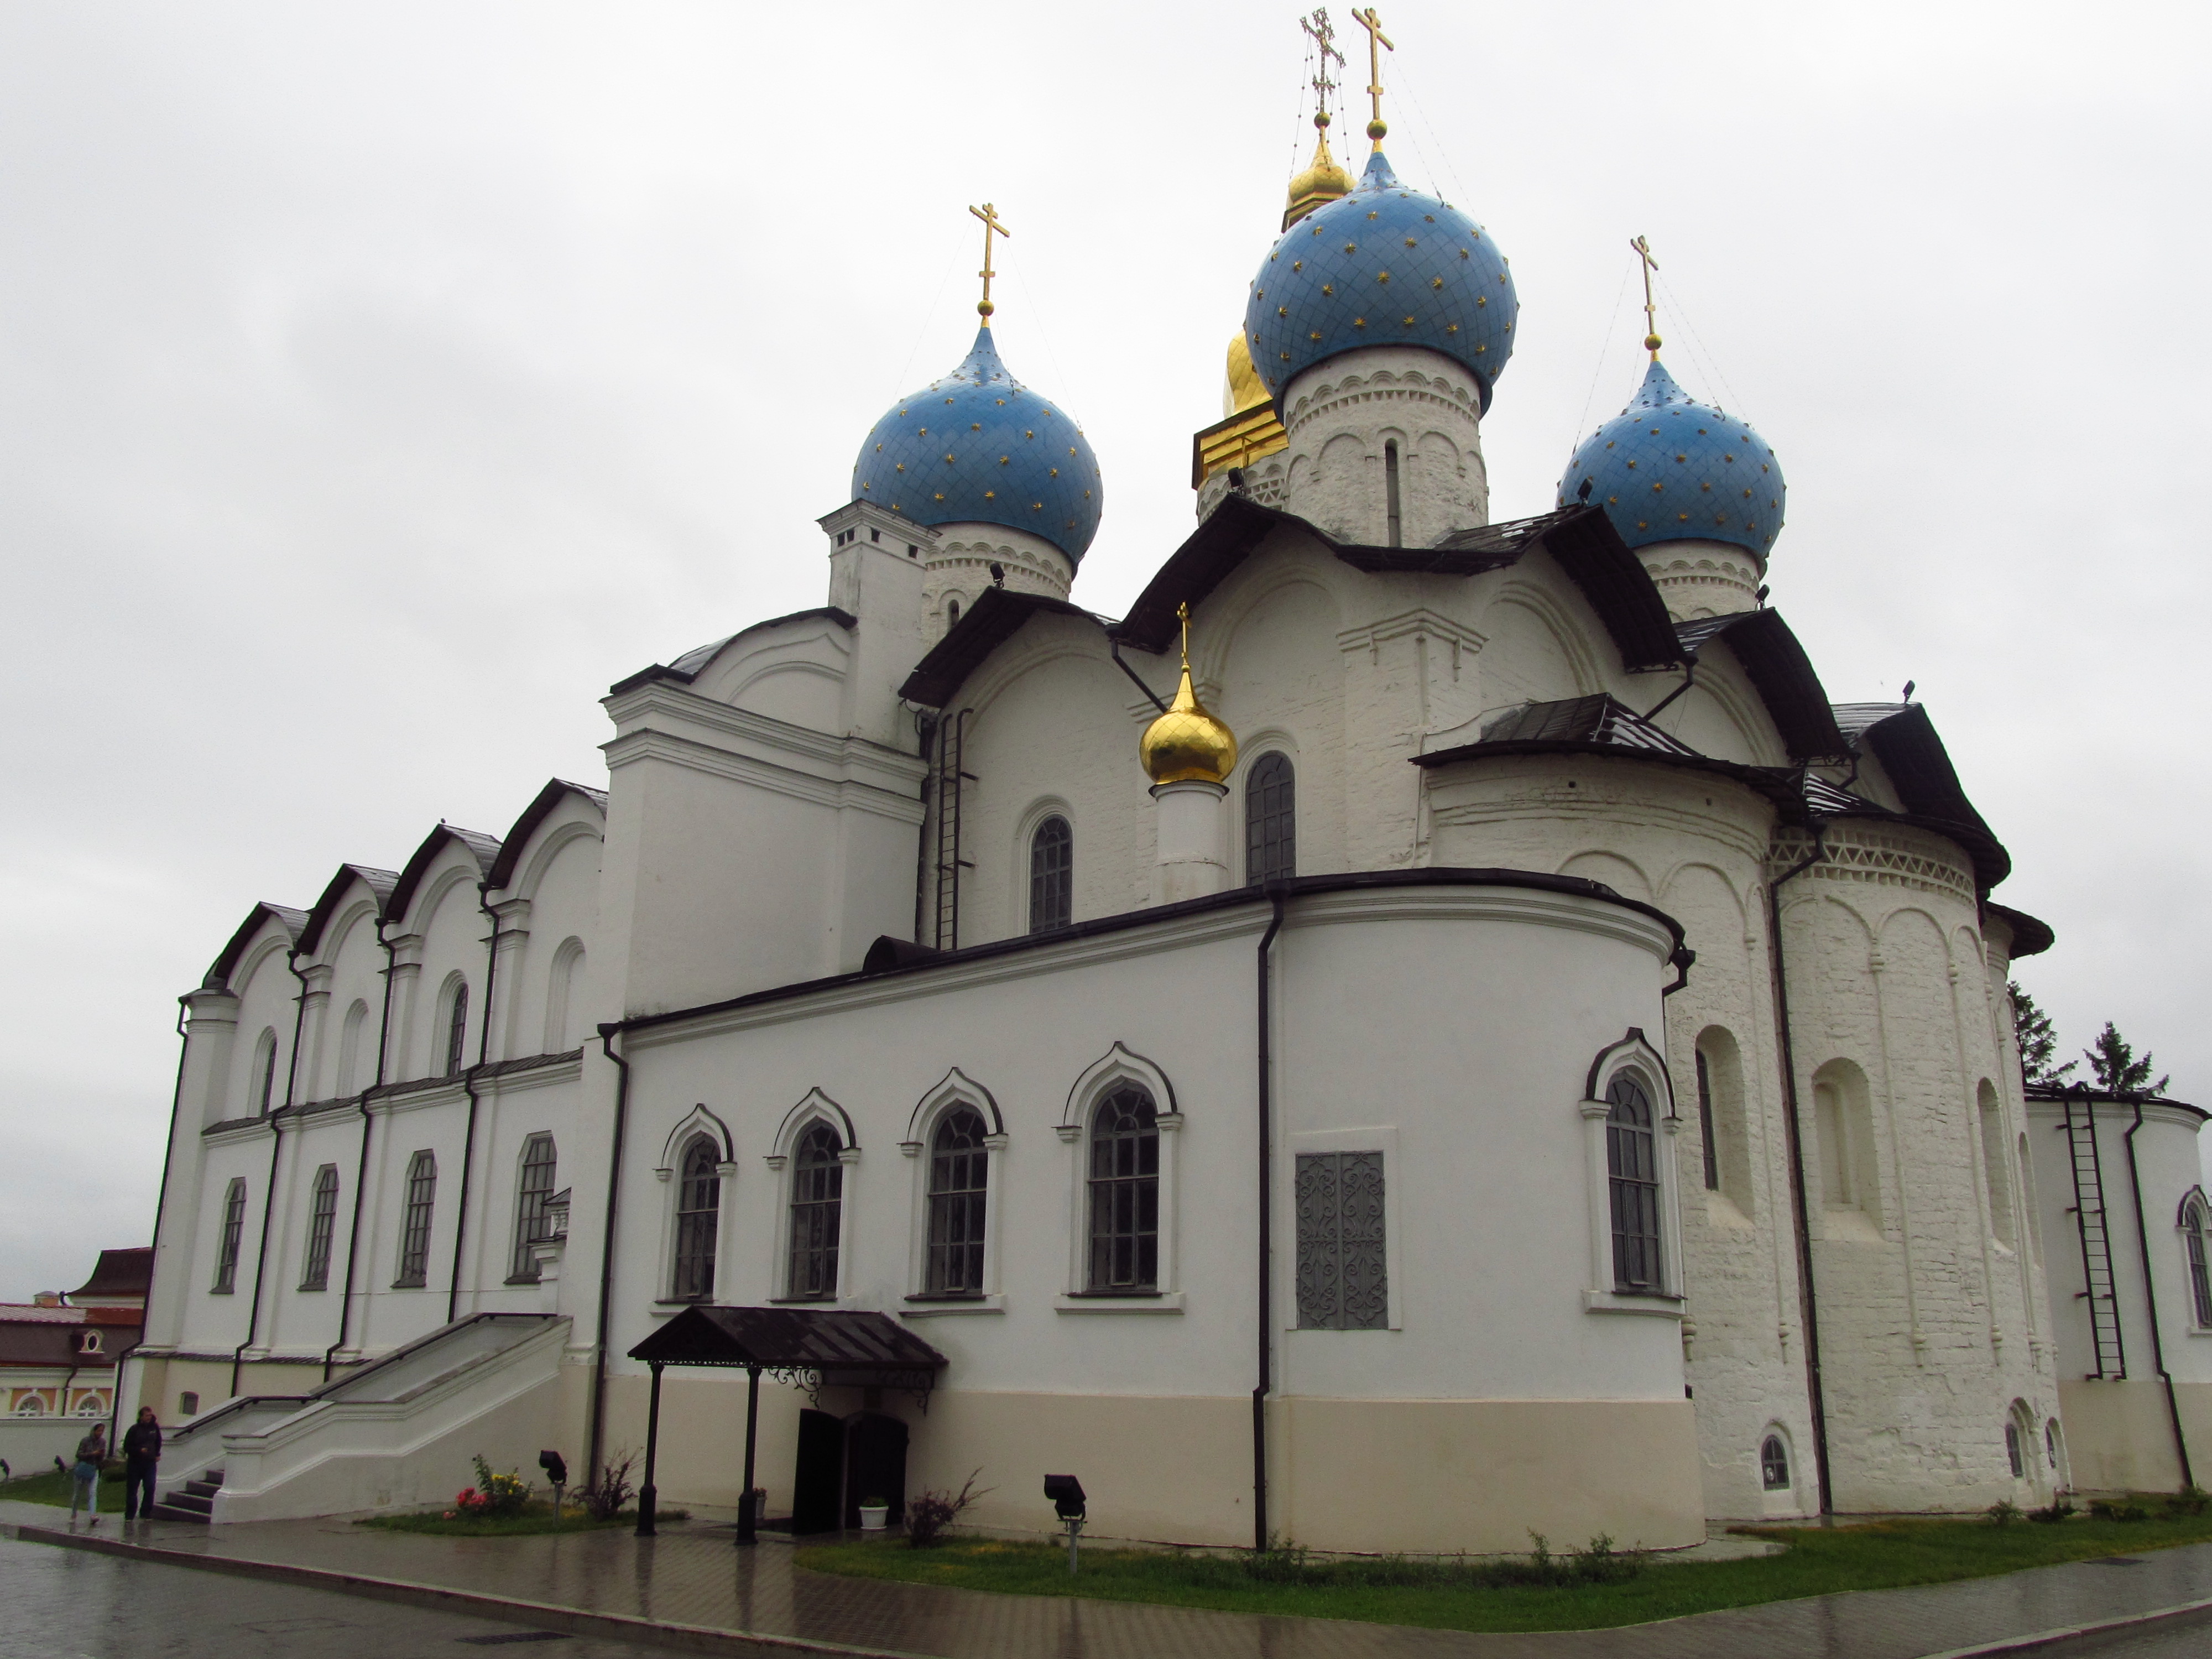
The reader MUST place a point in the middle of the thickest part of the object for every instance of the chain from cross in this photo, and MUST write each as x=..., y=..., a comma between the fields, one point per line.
x=1371, y=21
x=1324, y=39
x=1643, y=247
x=989, y=215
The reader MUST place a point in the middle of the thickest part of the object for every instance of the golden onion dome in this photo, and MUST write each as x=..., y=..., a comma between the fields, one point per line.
x=1187, y=744
x=1244, y=389
x=1323, y=181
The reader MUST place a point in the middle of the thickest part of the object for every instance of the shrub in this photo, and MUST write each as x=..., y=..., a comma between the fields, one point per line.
x=2058, y=1510
x=928, y=1513
x=1596, y=1563
x=2190, y=1500
x=603, y=1498
x=2123, y=1509
x=2003, y=1513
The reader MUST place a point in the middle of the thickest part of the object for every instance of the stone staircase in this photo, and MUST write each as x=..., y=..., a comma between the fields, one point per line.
x=194, y=1500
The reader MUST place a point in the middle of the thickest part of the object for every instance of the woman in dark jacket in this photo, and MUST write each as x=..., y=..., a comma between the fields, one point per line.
x=142, y=1450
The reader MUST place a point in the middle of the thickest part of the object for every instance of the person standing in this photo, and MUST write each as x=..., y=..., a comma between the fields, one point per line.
x=142, y=1450
x=84, y=1474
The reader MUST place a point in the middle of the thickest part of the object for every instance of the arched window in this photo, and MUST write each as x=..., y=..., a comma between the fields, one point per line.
x=1631, y=1163
x=1052, y=875
x=357, y=1021
x=2200, y=1281
x=30, y=1405
x=264, y=1080
x=1392, y=512
x=1124, y=1193
x=530, y=1193
x=817, y=1200
x=322, y=1220
x=959, y=1175
x=414, y=1222
x=2050, y=1441
x=698, y=1218
x=953, y=613
x=1996, y=1165
x=457, y=1030
x=561, y=992
x=1712, y=1145
x=1774, y=1464
x=233, y=1226
x=2013, y=1453
x=1271, y=820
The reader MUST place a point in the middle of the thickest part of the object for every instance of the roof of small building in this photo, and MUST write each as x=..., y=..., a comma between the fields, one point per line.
x=127, y=1272
x=294, y=922
x=556, y=790
x=483, y=848
x=693, y=663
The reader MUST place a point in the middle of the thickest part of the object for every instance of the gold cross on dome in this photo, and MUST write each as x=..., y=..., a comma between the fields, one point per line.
x=989, y=215
x=1182, y=615
x=1643, y=247
x=1371, y=21
x=1324, y=39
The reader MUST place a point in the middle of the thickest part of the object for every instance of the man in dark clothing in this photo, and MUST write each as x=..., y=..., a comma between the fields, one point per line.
x=142, y=1450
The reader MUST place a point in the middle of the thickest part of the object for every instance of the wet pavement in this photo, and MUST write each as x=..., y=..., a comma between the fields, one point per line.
x=692, y=1586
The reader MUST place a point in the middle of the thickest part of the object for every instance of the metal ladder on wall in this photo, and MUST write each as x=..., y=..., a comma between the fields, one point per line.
x=2091, y=1223
x=945, y=781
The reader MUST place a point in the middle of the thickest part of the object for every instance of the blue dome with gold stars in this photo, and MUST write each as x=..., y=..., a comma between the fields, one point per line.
x=977, y=447
x=1384, y=265
x=1669, y=469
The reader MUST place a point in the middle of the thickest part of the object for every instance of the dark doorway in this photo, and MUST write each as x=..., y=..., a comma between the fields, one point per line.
x=875, y=1465
x=816, y=1483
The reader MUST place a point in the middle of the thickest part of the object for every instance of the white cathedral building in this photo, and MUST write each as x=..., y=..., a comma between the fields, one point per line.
x=1461, y=1035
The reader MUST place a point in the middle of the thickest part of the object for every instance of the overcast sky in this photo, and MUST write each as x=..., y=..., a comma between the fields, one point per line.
x=379, y=383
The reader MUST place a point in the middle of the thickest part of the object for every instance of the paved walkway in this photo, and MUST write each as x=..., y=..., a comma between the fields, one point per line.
x=691, y=1586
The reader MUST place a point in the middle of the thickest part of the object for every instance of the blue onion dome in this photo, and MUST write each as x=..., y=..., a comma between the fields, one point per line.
x=1669, y=468
x=1385, y=265
x=977, y=447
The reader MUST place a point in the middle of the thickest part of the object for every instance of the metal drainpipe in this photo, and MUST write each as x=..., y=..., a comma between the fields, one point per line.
x=1808, y=1299
x=607, y=1252
x=160, y=1202
x=361, y=1168
x=2151, y=1296
x=275, y=1151
x=925, y=731
x=1265, y=1384
x=469, y=1087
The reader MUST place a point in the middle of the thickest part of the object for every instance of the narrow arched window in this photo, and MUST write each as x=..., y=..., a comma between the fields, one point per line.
x=1632, y=1163
x=1706, y=1130
x=322, y=1220
x=414, y=1222
x=1774, y=1464
x=1052, y=875
x=952, y=614
x=1124, y=1193
x=698, y=1220
x=2200, y=1280
x=457, y=1030
x=1271, y=820
x=2012, y=1452
x=264, y=1085
x=959, y=1175
x=226, y=1245
x=817, y=1200
x=350, y=1035
x=530, y=1192
x=1391, y=508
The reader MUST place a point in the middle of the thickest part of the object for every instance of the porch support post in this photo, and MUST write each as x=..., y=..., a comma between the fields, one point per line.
x=648, y=1497
x=748, y=1522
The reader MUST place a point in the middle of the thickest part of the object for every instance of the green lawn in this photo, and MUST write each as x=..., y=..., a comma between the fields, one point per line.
x=535, y=1518
x=1451, y=1596
x=53, y=1487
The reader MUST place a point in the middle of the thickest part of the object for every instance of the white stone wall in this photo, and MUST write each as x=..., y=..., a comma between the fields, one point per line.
x=1345, y=415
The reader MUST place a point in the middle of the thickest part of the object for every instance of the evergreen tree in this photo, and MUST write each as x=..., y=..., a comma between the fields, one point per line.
x=2037, y=1039
x=2114, y=1065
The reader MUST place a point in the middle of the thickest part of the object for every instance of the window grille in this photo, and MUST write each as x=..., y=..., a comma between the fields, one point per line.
x=2200, y=1281
x=1125, y=1193
x=698, y=1218
x=1632, y=1163
x=1052, y=875
x=817, y=1200
x=959, y=1173
x=415, y=1232
x=531, y=1194
x=2012, y=1452
x=266, y=1087
x=1774, y=1464
x=1705, y=1124
x=226, y=1249
x=1341, y=1279
x=322, y=1219
x=456, y=1028
x=1271, y=830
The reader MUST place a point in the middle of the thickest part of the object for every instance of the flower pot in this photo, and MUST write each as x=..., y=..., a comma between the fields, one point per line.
x=874, y=1516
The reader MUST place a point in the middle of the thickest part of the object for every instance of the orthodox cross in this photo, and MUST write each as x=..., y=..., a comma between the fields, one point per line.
x=1643, y=247
x=989, y=215
x=1371, y=21
x=1182, y=615
x=1324, y=38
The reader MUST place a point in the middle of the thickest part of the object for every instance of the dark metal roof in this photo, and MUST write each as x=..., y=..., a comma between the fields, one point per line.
x=2031, y=936
x=1780, y=673
x=1593, y=719
x=1779, y=784
x=1903, y=738
x=379, y=883
x=2090, y=1092
x=788, y=1339
x=481, y=847
x=556, y=790
x=120, y=1273
x=688, y=667
x=292, y=921
x=997, y=615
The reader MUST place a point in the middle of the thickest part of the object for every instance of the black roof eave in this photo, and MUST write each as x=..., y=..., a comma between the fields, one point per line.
x=379, y=883
x=786, y=1339
x=1781, y=673
x=995, y=618
x=2031, y=935
x=293, y=921
x=483, y=848
x=1778, y=785
x=706, y=653
x=556, y=790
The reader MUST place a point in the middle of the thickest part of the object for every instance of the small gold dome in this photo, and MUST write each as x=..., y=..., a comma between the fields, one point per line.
x=1187, y=742
x=1244, y=389
x=1323, y=181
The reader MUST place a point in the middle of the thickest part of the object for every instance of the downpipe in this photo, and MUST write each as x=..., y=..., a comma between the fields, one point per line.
x=1266, y=1059
x=2151, y=1296
x=607, y=1253
x=468, y=1088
